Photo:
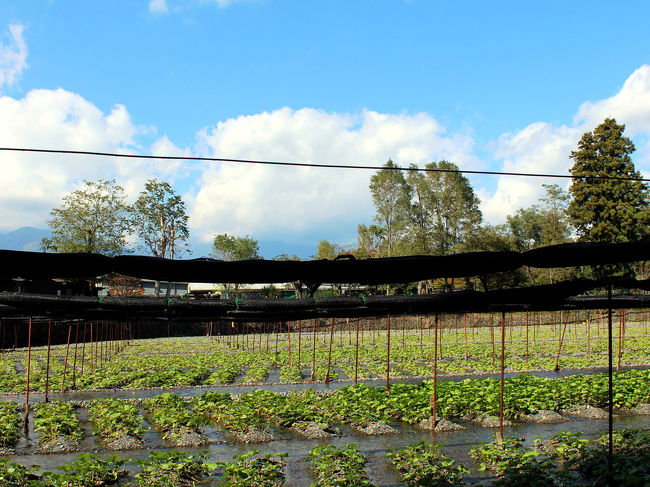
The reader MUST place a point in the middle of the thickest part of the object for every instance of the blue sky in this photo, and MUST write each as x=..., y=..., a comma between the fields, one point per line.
x=488, y=85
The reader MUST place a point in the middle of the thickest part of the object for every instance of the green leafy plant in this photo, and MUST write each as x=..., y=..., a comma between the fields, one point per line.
x=88, y=471
x=113, y=418
x=55, y=419
x=334, y=466
x=9, y=424
x=246, y=471
x=172, y=469
x=422, y=464
x=13, y=474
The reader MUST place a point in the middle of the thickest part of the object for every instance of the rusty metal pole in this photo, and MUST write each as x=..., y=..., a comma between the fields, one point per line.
x=83, y=349
x=299, y=340
x=466, y=346
x=557, y=361
x=610, y=385
x=356, y=355
x=313, y=359
x=65, y=362
x=92, y=361
x=503, y=361
x=329, y=355
x=434, y=398
x=74, y=366
x=29, y=368
x=492, y=336
x=388, y=358
x=526, y=336
x=588, y=333
x=620, y=338
x=289, y=331
x=47, y=364
x=421, y=332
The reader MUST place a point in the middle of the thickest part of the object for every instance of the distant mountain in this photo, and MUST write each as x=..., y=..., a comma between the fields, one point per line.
x=24, y=238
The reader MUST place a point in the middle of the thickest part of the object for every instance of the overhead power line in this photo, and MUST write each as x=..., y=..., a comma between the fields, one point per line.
x=315, y=165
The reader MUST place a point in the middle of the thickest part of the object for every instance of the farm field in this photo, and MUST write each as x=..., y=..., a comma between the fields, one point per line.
x=218, y=407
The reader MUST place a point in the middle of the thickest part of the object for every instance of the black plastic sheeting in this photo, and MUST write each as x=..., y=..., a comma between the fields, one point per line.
x=564, y=295
x=36, y=265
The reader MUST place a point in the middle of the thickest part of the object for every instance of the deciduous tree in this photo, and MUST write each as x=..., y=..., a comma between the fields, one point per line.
x=160, y=220
x=92, y=219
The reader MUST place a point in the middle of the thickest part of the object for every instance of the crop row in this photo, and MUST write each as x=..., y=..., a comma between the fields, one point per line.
x=226, y=366
x=358, y=405
x=564, y=459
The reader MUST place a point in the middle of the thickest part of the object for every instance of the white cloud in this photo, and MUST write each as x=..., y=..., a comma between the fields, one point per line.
x=276, y=202
x=13, y=56
x=545, y=148
x=631, y=105
x=32, y=184
x=158, y=7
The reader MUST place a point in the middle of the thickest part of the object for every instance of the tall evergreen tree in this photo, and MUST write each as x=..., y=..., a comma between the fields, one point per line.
x=607, y=210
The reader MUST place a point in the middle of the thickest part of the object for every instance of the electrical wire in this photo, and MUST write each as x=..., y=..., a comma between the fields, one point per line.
x=317, y=165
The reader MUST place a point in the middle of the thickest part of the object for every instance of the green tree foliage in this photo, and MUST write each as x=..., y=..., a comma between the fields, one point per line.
x=444, y=209
x=369, y=240
x=391, y=197
x=607, y=210
x=328, y=250
x=160, y=220
x=229, y=247
x=93, y=219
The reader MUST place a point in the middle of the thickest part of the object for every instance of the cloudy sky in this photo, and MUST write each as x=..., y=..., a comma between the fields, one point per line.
x=488, y=85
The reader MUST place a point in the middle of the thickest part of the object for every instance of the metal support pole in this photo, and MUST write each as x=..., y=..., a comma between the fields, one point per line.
x=434, y=398
x=329, y=355
x=356, y=355
x=610, y=391
x=503, y=361
x=388, y=358
x=29, y=368
x=47, y=365
x=313, y=358
x=65, y=362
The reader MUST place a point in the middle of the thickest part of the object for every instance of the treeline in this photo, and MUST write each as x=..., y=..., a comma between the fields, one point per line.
x=437, y=213
x=432, y=212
